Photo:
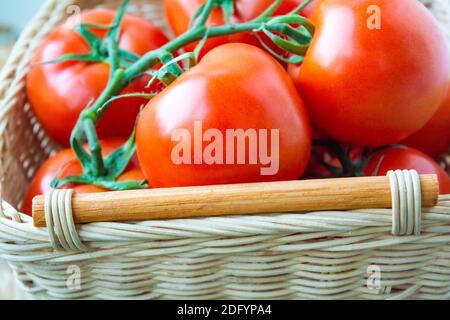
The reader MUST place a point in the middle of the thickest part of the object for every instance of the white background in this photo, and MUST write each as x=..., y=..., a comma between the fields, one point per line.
x=16, y=13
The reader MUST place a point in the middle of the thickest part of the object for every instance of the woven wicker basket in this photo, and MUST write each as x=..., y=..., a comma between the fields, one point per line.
x=258, y=257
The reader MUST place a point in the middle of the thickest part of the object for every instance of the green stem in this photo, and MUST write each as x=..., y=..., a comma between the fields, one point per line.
x=206, y=11
x=98, y=167
x=302, y=6
x=120, y=78
x=149, y=60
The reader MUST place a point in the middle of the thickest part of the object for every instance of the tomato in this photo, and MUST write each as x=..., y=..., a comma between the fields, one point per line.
x=434, y=138
x=408, y=159
x=58, y=92
x=180, y=13
x=66, y=164
x=373, y=86
x=364, y=162
x=326, y=164
x=252, y=93
x=308, y=11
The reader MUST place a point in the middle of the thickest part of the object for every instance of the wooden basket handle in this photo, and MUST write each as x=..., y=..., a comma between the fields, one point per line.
x=239, y=199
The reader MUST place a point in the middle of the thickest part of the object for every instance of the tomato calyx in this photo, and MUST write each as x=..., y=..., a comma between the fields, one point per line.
x=102, y=50
x=295, y=40
x=114, y=165
x=338, y=160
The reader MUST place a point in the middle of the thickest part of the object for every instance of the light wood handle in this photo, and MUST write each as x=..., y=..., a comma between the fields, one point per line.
x=256, y=198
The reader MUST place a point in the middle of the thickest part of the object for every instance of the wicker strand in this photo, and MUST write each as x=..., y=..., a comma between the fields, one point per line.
x=406, y=202
x=61, y=227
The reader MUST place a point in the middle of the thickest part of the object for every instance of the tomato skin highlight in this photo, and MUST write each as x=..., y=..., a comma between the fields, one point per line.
x=434, y=138
x=373, y=87
x=65, y=163
x=408, y=159
x=58, y=92
x=223, y=92
x=179, y=13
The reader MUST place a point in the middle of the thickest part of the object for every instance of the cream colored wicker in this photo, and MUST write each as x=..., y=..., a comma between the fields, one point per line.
x=318, y=255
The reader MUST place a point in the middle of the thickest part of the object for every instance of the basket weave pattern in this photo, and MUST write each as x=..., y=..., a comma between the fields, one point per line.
x=322, y=255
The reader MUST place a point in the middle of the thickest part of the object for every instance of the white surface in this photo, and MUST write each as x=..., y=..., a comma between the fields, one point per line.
x=8, y=287
x=16, y=13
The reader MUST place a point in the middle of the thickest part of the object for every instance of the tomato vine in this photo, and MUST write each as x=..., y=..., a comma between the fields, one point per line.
x=125, y=67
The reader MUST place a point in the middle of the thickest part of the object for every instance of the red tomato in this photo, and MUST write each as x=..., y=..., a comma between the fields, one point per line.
x=373, y=86
x=408, y=159
x=308, y=11
x=65, y=163
x=434, y=138
x=324, y=156
x=181, y=12
x=59, y=92
x=252, y=92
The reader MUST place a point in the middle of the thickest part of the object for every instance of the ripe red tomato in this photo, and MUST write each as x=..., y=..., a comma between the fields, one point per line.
x=408, y=159
x=251, y=92
x=324, y=157
x=59, y=92
x=373, y=86
x=308, y=11
x=434, y=138
x=66, y=164
x=181, y=12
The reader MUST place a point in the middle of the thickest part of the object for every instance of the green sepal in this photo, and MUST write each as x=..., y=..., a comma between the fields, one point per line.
x=127, y=55
x=121, y=185
x=196, y=15
x=170, y=64
x=114, y=31
x=288, y=45
x=74, y=57
x=92, y=40
x=101, y=183
x=227, y=9
x=56, y=181
x=377, y=168
x=188, y=56
x=83, y=157
x=148, y=96
x=97, y=26
x=118, y=161
x=198, y=49
x=293, y=19
x=300, y=35
x=59, y=183
x=294, y=59
x=96, y=165
x=170, y=71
